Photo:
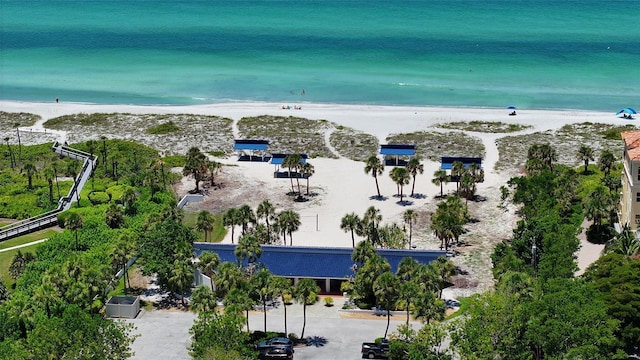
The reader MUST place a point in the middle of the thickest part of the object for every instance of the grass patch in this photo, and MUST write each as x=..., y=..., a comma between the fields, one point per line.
x=462, y=310
x=164, y=128
x=174, y=160
x=218, y=233
x=433, y=145
x=25, y=239
x=289, y=135
x=483, y=126
x=353, y=144
x=5, y=261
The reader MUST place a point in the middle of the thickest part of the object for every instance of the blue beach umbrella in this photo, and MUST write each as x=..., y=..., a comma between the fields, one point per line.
x=511, y=107
x=627, y=110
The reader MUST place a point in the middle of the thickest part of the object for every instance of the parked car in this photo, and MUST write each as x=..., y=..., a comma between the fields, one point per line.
x=372, y=350
x=276, y=342
x=276, y=352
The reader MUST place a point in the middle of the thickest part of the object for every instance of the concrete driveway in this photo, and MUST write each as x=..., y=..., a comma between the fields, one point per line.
x=165, y=334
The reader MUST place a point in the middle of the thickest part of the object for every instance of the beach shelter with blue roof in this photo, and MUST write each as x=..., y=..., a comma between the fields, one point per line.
x=329, y=267
x=446, y=162
x=393, y=152
x=246, y=149
x=277, y=159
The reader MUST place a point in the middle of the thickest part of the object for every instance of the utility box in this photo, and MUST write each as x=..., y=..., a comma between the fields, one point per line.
x=126, y=307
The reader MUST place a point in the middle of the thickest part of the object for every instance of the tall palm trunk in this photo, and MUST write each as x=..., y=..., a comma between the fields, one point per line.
x=377, y=186
x=264, y=312
x=304, y=317
x=388, y=321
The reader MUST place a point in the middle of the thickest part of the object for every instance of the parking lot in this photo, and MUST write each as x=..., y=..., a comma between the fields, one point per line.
x=165, y=334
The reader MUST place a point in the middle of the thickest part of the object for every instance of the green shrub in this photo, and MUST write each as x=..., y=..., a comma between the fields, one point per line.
x=287, y=299
x=328, y=301
x=99, y=197
x=62, y=218
x=164, y=128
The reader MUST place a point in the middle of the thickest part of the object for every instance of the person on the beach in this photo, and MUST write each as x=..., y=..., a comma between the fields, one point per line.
x=57, y=100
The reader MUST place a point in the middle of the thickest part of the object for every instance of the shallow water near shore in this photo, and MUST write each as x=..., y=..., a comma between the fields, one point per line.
x=543, y=55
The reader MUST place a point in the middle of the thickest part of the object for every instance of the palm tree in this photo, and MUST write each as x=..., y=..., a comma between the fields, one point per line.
x=350, y=222
x=467, y=185
x=307, y=170
x=181, y=277
x=282, y=286
x=261, y=286
x=11, y=156
x=245, y=216
x=74, y=222
x=415, y=167
x=445, y=270
x=306, y=292
x=409, y=218
x=238, y=301
x=457, y=169
x=4, y=294
x=386, y=289
x=606, y=161
x=248, y=248
x=267, y=211
x=375, y=167
x=401, y=177
x=208, y=264
x=370, y=224
x=49, y=176
x=585, y=154
x=288, y=222
x=362, y=252
x=195, y=165
x=292, y=162
x=104, y=153
x=230, y=219
x=17, y=125
x=114, y=216
x=544, y=154
x=213, y=167
x=409, y=286
x=203, y=299
x=439, y=178
x=596, y=205
x=205, y=223
x=122, y=250
x=55, y=171
x=229, y=276
x=128, y=199
x=73, y=168
x=30, y=171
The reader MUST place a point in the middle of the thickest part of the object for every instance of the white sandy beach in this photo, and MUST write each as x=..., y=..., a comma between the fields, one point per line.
x=340, y=185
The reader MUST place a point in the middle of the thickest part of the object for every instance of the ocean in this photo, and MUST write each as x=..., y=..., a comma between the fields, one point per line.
x=544, y=54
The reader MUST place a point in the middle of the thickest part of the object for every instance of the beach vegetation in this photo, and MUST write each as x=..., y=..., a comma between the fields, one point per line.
x=195, y=165
x=402, y=177
x=494, y=127
x=512, y=150
x=12, y=120
x=288, y=135
x=433, y=145
x=193, y=129
x=353, y=144
x=163, y=128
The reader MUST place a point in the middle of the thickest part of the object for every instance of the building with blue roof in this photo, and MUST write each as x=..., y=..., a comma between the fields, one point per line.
x=328, y=266
x=392, y=153
x=247, y=147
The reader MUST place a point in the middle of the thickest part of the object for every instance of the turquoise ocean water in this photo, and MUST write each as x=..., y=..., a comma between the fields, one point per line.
x=560, y=54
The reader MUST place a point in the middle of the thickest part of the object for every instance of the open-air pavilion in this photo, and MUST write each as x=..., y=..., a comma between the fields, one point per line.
x=247, y=149
x=397, y=154
x=446, y=162
x=278, y=159
x=329, y=267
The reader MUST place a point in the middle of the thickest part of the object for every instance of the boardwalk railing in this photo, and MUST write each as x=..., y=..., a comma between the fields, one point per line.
x=50, y=218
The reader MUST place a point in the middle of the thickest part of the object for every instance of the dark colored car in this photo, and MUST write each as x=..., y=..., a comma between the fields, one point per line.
x=375, y=350
x=276, y=342
x=276, y=352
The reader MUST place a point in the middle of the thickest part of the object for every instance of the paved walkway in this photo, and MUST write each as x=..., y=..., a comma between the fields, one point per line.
x=23, y=245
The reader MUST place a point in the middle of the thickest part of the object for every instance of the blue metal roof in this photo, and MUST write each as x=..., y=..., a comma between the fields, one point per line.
x=314, y=262
x=397, y=149
x=250, y=145
x=446, y=162
x=278, y=159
